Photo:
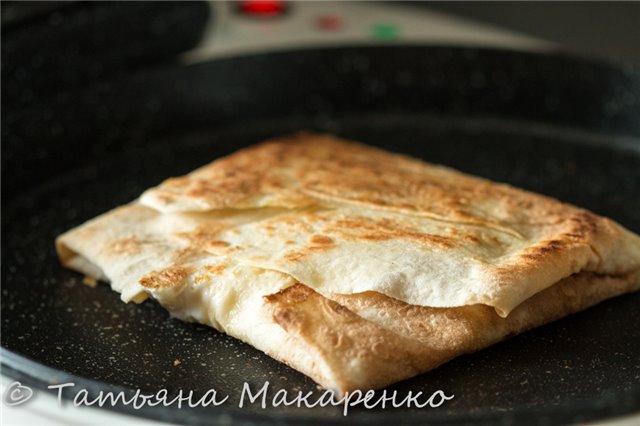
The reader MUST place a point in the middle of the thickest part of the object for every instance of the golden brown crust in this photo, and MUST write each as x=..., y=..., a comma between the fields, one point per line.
x=368, y=340
x=345, y=349
x=459, y=328
x=298, y=170
x=169, y=277
x=507, y=243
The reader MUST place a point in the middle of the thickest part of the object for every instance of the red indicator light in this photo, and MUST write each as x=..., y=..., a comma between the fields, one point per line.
x=329, y=23
x=262, y=7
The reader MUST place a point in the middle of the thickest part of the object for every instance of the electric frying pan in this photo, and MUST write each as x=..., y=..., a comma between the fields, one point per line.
x=566, y=127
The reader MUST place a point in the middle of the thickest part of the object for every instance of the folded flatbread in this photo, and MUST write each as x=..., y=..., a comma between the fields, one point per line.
x=355, y=266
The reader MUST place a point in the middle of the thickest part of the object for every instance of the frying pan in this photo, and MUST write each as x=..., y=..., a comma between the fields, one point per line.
x=561, y=126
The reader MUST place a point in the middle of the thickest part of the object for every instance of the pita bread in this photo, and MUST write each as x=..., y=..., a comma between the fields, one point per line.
x=355, y=266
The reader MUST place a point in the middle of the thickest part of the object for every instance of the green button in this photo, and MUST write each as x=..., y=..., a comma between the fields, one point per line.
x=384, y=31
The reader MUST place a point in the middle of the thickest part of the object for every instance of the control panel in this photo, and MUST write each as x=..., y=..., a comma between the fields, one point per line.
x=245, y=26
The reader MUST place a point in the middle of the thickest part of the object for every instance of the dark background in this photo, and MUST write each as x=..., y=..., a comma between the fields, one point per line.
x=607, y=30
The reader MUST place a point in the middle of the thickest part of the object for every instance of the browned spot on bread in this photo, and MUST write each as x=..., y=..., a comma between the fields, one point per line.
x=215, y=269
x=185, y=255
x=223, y=190
x=294, y=256
x=321, y=240
x=298, y=222
x=286, y=318
x=127, y=245
x=202, y=279
x=218, y=243
x=374, y=237
x=583, y=225
x=318, y=244
x=294, y=294
x=542, y=249
x=338, y=309
x=223, y=251
x=549, y=246
x=356, y=228
x=473, y=239
x=169, y=277
x=203, y=234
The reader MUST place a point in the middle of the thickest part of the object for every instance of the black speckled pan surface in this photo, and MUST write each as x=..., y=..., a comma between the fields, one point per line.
x=563, y=127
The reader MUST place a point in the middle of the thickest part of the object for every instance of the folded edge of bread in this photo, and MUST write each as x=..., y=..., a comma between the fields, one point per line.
x=368, y=341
